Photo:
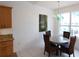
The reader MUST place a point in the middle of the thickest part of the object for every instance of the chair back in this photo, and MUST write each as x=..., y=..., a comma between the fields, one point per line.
x=46, y=40
x=66, y=34
x=48, y=33
x=72, y=43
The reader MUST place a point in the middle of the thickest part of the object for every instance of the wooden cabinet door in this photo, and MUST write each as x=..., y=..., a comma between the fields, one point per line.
x=5, y=17
x=1, y=18
x=1, y=52
x=6, y=48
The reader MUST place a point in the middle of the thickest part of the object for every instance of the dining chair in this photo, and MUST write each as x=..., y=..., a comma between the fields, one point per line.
x=69, y=48
x=49, y=48
x=48, y=33
x=66, y=34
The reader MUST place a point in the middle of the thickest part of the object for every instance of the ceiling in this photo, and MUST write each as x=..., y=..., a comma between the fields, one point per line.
x=54, y=4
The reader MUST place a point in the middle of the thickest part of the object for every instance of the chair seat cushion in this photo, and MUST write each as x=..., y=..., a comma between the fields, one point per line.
x=65, y=45
x=52, y=44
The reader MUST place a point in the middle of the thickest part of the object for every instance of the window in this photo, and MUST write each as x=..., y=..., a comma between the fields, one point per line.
x=64, y=22
x=74, y=23
x=69, y=22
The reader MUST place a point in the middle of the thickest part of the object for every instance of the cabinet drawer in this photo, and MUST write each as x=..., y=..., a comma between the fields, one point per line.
x=6, y=43
x=6, y=48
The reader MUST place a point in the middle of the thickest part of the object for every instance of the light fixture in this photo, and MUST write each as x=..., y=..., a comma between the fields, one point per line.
x=58, y=10
x=58, y=7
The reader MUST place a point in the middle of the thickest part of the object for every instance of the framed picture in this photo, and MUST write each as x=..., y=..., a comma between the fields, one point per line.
x=42, y=23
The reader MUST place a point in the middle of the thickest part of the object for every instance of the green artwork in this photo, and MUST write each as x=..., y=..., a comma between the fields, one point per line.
x=42, y=23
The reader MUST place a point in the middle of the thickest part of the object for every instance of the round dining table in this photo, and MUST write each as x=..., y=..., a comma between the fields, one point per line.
x=58, y=41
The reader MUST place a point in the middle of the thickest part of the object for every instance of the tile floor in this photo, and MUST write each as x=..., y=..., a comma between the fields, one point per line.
x=39, y=52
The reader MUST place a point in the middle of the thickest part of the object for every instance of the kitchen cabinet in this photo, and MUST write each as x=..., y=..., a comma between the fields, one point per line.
x=6, y=45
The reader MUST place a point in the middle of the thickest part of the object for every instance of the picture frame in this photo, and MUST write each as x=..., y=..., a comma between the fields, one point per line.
x=42, y=23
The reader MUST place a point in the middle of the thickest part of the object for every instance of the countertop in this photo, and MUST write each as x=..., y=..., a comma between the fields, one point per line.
x=6, y=37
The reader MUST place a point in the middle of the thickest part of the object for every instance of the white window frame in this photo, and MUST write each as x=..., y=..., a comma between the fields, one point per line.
x=70, y=26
